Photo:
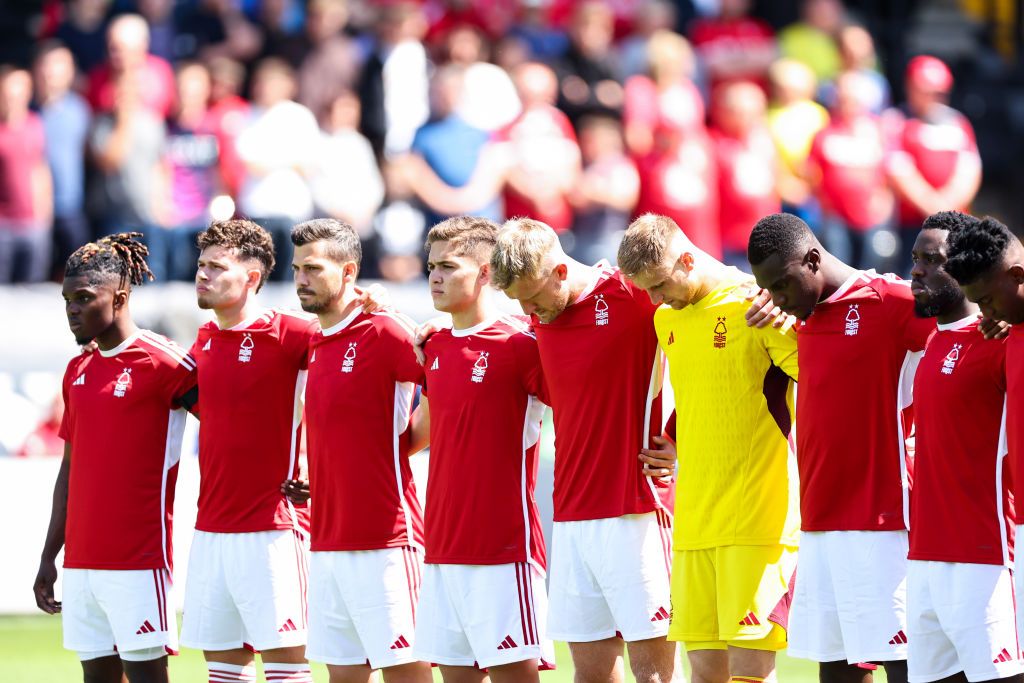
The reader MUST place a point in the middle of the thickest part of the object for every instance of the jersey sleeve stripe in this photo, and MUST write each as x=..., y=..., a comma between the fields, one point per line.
x=403, y=320
x=518, y=325
x=173, y=351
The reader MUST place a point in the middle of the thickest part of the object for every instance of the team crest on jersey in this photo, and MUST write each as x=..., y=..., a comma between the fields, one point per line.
x=124, y=382
x=245, y=348
x=949, y=363
x=852, y=321
x=720, y=332
x=350, y=358
x=479, y=368
x=600, y=310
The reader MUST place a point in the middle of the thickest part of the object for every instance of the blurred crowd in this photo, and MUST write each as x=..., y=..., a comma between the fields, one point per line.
x=160, y=115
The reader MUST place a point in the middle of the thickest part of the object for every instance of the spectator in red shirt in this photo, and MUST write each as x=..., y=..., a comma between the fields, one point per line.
x=128, y=57
x=734, y=46
x=747, y=166
x=846, y=167
x=26, y=189
x=935, y=164
x=666, y=98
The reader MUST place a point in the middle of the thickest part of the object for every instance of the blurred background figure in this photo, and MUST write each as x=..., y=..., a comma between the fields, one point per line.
x=394, y=87
x=793, y=120
x=589, y=78
x=935, y=165
x=228, y=115
x=812, y=40
x=346, y=182
x=664, y=96
x=66, y=120
x=654, y=16
x=128, y=58
x=605, y=194
x=857, y=53
x=733, y=46
x=846, y=167
x=26, y=190
x=747, y=166
x=163, y=33
x=130, y=190
x=278, y=146
x=84, y=31
x=488, y=99
x=193, y=164
x=45, y=439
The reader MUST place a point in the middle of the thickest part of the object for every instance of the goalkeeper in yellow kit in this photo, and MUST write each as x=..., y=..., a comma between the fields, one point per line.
x=736, y=512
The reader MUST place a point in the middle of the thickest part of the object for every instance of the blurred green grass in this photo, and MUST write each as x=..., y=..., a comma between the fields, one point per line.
x=31, y=652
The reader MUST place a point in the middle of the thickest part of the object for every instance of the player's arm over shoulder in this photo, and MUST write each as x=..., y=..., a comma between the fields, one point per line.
x=899, y=305
x=397, y=331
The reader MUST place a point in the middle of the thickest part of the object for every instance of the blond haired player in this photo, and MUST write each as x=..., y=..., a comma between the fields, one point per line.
x=736, y=524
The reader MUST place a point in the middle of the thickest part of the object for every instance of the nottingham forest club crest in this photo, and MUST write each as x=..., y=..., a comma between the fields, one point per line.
x=479, y=368
x=349, y=361
x=124, y=382
x=720, y=331
x=245, y=348
x=852, y=326
x=600, y=310
x=949, y=362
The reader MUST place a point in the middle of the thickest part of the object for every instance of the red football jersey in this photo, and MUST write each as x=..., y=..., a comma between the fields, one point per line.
x=850, y=156
x=1015, y=412
x=604, y=375
x=485, y=388
x=124, y=423
x=715, y=38
x=746, y=185
x=858, y=351
x=962, y=508
x=252, y=376
x=932, y=147
x=359, y=395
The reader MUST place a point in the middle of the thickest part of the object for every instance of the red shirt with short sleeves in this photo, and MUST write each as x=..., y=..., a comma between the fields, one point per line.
x=22, y=149
x=1015, y=412
x=359, y=395
x=747, y=170
x=539, y=138
x=716, y=36
x=485, y=386
x=858, y=351
x=604, y=375
x=962, y=508
x=933, y=147
x=252, y=377
x=124, y=422
x=850, y=157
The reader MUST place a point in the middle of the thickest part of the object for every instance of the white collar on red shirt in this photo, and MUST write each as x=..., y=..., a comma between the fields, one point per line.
x=864, y=275
x=479, y=327
x=600, y=268
x=958, y=325
x=110, y=353
x=334, y=329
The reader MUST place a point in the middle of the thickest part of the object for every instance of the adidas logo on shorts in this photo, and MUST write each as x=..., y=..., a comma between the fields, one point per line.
x=400, y=644
x=145, y=628
x=661, y=615
x=750, y=620
x=899, y=639
x=507, y=644
x=287, y=626
x=1003, y=656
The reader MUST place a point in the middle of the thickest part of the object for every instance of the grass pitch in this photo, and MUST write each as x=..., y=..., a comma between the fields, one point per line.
x=31, y=652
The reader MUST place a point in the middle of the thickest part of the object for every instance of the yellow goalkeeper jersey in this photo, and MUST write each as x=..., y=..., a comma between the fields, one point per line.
x=733, y=389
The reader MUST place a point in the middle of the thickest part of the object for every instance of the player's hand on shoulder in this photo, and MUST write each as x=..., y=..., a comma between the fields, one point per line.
x=993, y=329
x=373, y=298
x=661, y=461
x=763, y=311
x=424, y=332
x=90, y=347
x=296, y=490
x=46, y=577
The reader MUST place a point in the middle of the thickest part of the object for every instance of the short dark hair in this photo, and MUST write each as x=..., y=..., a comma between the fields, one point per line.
x=341, y=238
x=974, y=248
x=121, y=256
x=777, y=233
x=947, y=220
x=246, y=237
x=466, y=233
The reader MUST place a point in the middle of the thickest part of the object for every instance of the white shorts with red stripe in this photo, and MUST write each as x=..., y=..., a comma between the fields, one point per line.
x=126, y=610
x=246, y=589
x=610, y=577
x=482, y=615
x=362, y=606
x=850, y=597
x=960, y=617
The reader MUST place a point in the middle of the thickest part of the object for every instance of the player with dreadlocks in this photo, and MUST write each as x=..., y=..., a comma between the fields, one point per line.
x=123, y=419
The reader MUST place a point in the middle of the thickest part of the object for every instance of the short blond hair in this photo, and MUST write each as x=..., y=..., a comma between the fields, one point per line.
x=520, y=250
x=645, y=243
x=466, y=234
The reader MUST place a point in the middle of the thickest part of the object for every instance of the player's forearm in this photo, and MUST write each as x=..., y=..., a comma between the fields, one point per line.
x=420, y=428
x=962, y=188
x=58, y=512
